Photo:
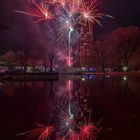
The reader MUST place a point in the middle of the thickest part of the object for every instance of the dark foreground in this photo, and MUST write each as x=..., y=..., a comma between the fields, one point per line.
x=113, y=101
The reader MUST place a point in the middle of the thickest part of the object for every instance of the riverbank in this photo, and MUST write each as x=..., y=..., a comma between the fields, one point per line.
x=105, y=73
x=30, y=76
x=55, y=75
x=114, y=73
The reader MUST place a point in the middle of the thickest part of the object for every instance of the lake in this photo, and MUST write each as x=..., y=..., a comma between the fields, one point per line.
x=94, y=107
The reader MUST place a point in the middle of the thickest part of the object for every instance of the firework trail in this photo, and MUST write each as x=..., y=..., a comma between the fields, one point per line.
x=69, y=56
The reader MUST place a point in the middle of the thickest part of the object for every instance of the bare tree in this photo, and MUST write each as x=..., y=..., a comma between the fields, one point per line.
x=126, y=41
x=51, y=59
x=9, y=58
x=102, y=52
x=45, y=62
x=23, y=56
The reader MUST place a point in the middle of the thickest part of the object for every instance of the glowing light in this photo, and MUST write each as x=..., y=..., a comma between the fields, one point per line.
x=86, y=15
x=69, y=61
x=69, y=45
x=69, y=89
x=67, y=22
x=125, y=78
x=83, y=68
x=39, y=11
x=46, y=15
x=125, y=68
x=65, y=29
x=89, y=131
x=71, y=29
x=67, y=123
x=83, y=79
x=90, y=13
x=46, y=133
x=41, y=131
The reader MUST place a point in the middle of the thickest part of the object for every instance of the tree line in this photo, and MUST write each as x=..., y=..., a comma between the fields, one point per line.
x=112, y=52
x=116, y=50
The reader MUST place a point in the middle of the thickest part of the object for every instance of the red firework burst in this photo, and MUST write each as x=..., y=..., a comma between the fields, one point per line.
x=39, y=11
x=89, y=131
x=46, y=133
x=90, y=13
x=40, y=132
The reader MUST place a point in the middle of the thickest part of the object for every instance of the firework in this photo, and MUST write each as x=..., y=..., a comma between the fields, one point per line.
x=74, y=136
x=40, y=132
x=65, y=32
x=46, y=133
x=90, y=14
x=65, y=120
x=89, y=132
x=68, y=14
x=69, y=58
x=68, y=123
x=66, y=28
x=63, y=3
x=73, y=7
x=39, y=11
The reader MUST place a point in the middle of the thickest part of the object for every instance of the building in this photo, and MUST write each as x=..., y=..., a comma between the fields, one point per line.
x=85, y=44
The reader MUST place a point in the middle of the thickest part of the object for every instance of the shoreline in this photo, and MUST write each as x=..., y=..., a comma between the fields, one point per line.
x=102, y=73
x=55, y=75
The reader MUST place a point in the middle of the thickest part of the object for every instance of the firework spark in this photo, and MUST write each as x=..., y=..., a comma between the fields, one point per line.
x=41, y=131
x=66, y=28
x=39, y=11
x=46, y=133
x=63, y=3
x=73, y=7
x=87, y=131
x=90, y=131
x=89, y=14
x=65, y=33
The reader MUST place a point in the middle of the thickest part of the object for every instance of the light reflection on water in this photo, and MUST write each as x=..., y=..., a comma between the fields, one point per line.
x=109, y=105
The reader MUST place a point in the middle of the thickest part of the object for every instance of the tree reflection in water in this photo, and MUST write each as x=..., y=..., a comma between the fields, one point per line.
x=70, y=121
x=71, y=107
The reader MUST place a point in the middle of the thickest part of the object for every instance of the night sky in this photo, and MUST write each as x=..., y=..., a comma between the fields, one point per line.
x=125, y=12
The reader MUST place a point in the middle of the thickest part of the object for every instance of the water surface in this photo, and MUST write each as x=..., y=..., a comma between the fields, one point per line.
x=111, y=102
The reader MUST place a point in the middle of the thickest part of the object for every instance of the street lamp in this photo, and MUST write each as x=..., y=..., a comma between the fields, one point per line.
x=125, y=68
